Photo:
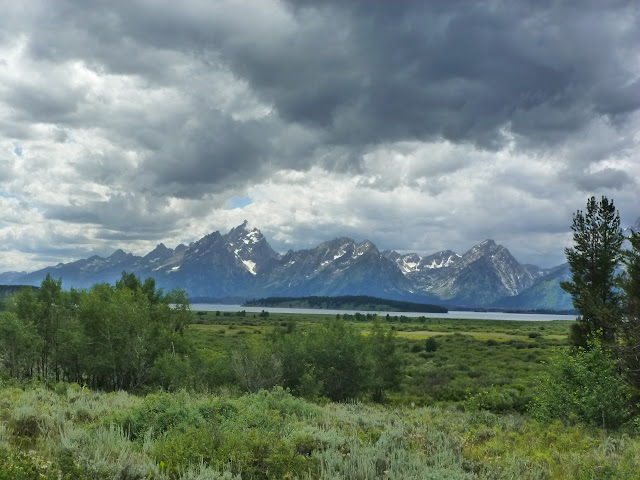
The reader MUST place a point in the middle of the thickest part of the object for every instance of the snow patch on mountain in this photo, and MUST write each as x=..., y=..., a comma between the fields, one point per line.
x=251, y=266
x=407, y=267
x=443, y=262
x=253, y=237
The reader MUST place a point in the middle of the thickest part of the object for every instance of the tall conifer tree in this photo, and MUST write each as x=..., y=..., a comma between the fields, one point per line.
x=593, y=260
x=630, y=286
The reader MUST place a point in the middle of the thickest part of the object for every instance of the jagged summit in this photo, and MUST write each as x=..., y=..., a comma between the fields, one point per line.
x=483, y=274
x=489, y=242
x=241, y=263
x=158, y=254
x=120, y=255
x=445, y=258
x=241, y=229
x=365, y=245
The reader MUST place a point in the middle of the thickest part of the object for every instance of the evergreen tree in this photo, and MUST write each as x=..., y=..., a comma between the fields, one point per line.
x=630, y=286
x=593, y=260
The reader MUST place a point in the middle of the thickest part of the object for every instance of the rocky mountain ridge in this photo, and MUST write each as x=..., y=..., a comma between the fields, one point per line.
x=242, y=264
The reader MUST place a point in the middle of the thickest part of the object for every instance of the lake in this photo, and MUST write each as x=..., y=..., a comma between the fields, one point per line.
x=530, y=317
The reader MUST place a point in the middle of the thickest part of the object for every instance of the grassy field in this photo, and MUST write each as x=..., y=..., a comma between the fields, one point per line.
x=440, y=325
x=495, y=361
x=459, y=412
x=73, y=433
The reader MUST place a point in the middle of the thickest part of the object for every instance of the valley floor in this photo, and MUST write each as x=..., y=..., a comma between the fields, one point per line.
x=459, y=411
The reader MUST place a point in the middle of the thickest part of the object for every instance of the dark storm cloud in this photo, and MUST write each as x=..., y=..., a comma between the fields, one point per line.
x=604, y=180
x=123, y=216
x=16, y=131
x=100, y=34
x=458, y=70
x=363, y=73
x=43, y=105
x=218, y=152
x=187, y=152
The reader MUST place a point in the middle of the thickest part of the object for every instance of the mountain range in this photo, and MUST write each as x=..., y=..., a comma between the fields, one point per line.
x=242, y=265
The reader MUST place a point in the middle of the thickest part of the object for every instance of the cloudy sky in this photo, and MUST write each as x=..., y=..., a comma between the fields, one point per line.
x=418, y=125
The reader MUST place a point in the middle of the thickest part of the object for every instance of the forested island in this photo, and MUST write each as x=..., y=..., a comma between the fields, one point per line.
x=347, y=302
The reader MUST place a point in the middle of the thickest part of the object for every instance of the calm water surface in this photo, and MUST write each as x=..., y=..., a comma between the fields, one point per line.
x=532, y=317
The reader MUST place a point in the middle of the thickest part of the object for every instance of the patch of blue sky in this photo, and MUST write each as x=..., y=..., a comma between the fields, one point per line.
x=240, y=202
x=18, y=151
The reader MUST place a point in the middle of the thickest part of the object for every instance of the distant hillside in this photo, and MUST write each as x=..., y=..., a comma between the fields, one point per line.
x=544, y=293
x=6, y=290
x=348, y=302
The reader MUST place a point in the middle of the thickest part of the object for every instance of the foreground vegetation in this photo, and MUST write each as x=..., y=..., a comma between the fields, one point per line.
x=240, y=395
x=133, y=337
x=72, y=432
x=457, y=410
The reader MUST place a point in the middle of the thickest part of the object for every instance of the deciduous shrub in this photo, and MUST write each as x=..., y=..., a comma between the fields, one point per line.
x=584, y=386
x=430, y=344
x=158, y=413
x=499, y=399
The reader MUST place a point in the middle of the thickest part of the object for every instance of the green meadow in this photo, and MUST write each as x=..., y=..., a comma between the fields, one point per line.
x=456, y=408
x=444, y=361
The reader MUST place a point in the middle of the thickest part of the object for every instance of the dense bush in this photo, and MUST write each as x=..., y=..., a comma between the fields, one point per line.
x=584, y=386
x=500, y=400
x=430, y=344
x=336, y=361
x=157, y=414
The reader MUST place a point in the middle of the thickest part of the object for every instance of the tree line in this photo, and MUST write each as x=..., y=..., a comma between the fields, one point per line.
x=108, y=337
x=131, y=336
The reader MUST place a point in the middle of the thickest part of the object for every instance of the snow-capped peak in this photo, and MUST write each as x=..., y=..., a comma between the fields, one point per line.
x=253, y=236
x=362, y=248
x=247, y=226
